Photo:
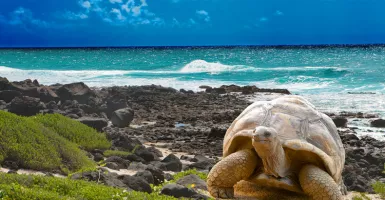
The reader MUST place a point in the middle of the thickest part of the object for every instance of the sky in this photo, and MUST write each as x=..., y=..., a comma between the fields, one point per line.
x=81, y=23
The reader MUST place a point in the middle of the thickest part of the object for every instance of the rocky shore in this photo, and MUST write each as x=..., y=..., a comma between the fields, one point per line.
x=148, y=120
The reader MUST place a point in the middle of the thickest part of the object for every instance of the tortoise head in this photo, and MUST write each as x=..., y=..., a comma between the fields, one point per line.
x=265, y=141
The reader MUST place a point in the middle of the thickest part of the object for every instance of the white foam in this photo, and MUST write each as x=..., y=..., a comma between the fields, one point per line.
x=212, y=67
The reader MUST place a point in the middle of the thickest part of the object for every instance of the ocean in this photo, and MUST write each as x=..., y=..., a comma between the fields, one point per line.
x=334, y=78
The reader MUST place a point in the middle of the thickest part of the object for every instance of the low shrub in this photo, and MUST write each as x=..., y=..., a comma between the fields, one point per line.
x=379, y=188
x=33, y=146
x=30, y=187
x=109, y=153
x=74, y=131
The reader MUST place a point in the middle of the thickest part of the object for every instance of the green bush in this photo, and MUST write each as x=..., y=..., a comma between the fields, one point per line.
x=28, y=187
x=177, y=176
x=379, y=188
x=109, y=153
x=34, y=146
x=74, y=131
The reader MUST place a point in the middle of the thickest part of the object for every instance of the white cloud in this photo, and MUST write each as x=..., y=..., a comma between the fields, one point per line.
x=128, y=5
x=136, y=10
x=125, y=8
x=158, y=21
x=118, y=14
x=203, y=15
x=116, y=1
x=85, y=4
x=175, y=22
x=126, y=12
x=263, y=19
x=144, y=3
x=20, y=10
x=148, y=13
x=192, y=21
x=278, y=13
x=74, y=16
x=22, y=16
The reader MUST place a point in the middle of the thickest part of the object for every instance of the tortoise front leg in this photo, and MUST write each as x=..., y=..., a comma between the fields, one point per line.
x=318, y=184
x=230, y=170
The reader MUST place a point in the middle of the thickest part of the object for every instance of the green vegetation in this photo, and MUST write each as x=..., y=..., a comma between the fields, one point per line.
x=109, y=153
x=33, y=146
x=28, y=187
x=180, y=175
x=177, y=176
x=74, y=131
x=379, y=188
x=362, y=196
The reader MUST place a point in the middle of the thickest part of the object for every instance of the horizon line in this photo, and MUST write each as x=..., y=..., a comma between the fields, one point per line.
x=198, y=46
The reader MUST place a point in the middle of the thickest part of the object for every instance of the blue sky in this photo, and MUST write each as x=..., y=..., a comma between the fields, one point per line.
x=190, y=22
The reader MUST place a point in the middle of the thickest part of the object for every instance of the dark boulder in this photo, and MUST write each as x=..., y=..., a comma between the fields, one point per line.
x=155, y=151
x=96, y=123
x=113, y=165
x=137, y=183
x=110, y=178
x=146, y=175
x=75, y=91
x=217, y=132
x=179, y=191
x=172, y=163
x=9, y=95
x=157, y=173
x=145, y=154
x=98, y=157
x=202, y=165
x=114, y=104
x=340, y=121
x=26, y=106
x=122, y=117
x=194, y=180
x=122, y=163
x=52, y=105
x=378, y=123
x=47, y=95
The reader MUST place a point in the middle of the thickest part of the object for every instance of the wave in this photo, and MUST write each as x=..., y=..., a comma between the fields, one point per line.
x=204, y=66
x=209, y=73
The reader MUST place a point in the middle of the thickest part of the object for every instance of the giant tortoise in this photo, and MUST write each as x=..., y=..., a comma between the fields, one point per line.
x=284, y=143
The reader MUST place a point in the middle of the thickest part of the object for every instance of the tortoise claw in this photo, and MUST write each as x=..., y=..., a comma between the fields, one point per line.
x=222, y=192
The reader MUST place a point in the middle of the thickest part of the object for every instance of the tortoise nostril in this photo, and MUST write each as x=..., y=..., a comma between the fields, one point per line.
x=267, y=134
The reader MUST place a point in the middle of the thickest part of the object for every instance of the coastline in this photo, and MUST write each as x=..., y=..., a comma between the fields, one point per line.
x=183, y=120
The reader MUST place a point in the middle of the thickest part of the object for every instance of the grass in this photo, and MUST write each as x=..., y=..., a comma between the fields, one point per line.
x=74, y=131
x=362, y=196
x=180, y=175
x=33, y=146
x=109, y=153
x=379, y=187
x=30, y=187
x=177, y=176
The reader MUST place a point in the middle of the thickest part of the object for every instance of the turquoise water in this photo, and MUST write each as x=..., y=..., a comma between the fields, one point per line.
x=303, y=70
x=325, y=76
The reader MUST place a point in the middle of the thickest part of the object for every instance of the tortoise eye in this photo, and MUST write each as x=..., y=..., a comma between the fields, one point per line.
x=267, y=134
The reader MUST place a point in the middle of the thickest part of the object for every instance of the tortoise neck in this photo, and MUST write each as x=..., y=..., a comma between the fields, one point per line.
x=277, y=163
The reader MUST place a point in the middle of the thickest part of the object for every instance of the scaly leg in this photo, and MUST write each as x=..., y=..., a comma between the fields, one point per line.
x=231, y=169
x=318, y=184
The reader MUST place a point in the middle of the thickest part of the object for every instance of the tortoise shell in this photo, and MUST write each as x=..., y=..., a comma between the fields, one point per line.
x=300, y=127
